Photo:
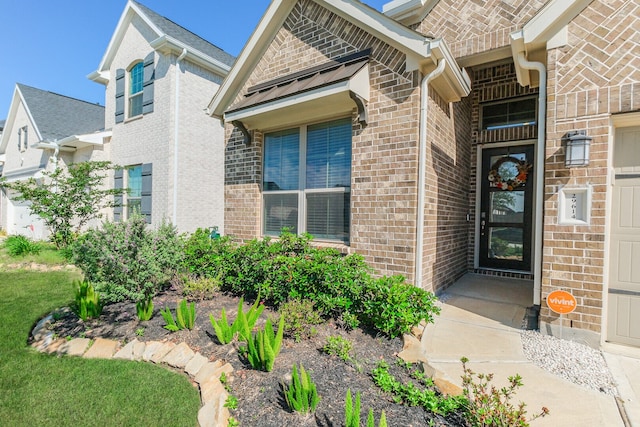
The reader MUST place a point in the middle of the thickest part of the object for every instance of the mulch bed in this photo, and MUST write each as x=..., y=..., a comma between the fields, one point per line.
x=260, y=399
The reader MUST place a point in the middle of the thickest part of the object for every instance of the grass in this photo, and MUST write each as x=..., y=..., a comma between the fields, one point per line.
x=49, y=255
x=44, y=390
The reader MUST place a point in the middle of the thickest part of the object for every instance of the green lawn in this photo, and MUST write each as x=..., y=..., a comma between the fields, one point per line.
x=44, y=390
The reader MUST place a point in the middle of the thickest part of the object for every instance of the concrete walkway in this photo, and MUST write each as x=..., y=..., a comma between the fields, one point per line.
x=481, y=319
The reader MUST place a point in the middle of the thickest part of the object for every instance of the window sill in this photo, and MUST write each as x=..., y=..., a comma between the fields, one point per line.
x=134, y=118
x=343, y=248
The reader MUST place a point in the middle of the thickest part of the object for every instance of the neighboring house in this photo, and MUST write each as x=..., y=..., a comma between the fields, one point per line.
x=44, y=129
x=158, y=78
x=432, y=139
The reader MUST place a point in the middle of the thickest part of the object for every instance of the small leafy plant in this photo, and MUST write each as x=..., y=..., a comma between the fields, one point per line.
x=338, y=346
x=87, y=301
x=242, y=325
x=144, y=309
x=200, y=288
x=490, y=406
x=19, y=245
x=231, y=402
x=411, y=394
x=263, y=347
x=301, y=317
x=185, y=316
x=301, y=395
x=352, y=413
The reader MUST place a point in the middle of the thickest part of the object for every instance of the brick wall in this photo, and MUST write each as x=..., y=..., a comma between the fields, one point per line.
x=471, y=27
x=595, y=75
x=384, y=153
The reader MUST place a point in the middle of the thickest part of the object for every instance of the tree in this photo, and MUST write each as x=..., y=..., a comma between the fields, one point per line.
x=67, y=199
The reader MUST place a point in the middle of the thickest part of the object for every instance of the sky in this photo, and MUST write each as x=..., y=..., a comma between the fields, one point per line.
x=54, y=44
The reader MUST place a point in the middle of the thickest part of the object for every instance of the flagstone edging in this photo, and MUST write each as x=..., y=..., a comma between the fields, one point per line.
x=200, y=370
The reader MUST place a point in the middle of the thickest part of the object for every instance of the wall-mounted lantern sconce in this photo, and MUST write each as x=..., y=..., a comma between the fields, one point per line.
x=577, y=144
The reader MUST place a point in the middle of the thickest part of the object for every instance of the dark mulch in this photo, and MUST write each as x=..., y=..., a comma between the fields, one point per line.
x=261, y=402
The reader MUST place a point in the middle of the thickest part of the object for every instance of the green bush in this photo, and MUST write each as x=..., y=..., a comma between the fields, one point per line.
x=206, y=257
x=198, y=288
x=300, y=318
x=127, y=260
x=301, y=395
x=263, y=347
x=87, y=302
x=393, y=306
x=18, y=245
x=185, y=316
x=144, y=309
x=338, y=346
x=242, y=325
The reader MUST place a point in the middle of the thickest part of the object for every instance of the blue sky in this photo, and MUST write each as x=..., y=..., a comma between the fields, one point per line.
x=54, y=45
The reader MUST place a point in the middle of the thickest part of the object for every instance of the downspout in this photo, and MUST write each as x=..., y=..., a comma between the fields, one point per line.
x=424, y=108
x=540, y=155
x=176, y=137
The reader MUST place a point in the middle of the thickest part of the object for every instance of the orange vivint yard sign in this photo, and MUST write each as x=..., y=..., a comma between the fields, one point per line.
x=561, y=302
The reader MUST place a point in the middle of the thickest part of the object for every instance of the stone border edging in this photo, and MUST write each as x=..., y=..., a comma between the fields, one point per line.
x=206, y=374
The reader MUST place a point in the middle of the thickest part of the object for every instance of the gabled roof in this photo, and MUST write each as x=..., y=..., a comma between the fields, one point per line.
x=53, y=116
x=422, y=52
x=171, y=37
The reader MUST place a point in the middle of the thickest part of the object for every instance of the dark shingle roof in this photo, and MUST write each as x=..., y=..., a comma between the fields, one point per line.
x=58, y=116
x=174, y=30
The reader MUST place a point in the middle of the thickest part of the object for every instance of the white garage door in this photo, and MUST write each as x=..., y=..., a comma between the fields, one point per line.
x=20, y=221
x=624, y=279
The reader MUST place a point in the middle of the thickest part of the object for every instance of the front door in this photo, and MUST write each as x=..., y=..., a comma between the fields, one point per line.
x=506, y=194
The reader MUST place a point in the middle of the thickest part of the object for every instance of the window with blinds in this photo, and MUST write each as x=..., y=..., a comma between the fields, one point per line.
x=307, y=180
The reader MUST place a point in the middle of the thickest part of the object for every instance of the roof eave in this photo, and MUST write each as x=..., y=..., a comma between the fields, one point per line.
x=167, y=45
x=413, y=44
x=534, y=35
x=408, y=12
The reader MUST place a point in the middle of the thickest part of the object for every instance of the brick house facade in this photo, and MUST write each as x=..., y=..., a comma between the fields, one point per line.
x=427, y=198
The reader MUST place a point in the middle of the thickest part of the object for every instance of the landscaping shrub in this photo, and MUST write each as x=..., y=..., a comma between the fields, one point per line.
x=290, y=269
x=127, y=260
x=204, y=256
x=198, y=288
x=300, y=318
x=19, y=245
x=87, y=301
x=393, y=306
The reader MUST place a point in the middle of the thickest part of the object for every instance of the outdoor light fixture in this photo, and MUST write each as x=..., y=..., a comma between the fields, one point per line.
x=576, y=148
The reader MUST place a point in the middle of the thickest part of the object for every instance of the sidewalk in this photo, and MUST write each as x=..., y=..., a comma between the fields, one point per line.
x=482, y=321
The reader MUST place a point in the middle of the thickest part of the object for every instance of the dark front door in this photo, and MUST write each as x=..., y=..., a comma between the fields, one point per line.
x=506, y=208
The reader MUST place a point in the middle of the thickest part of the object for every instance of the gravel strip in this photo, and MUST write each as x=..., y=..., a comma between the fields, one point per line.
x=578, y=363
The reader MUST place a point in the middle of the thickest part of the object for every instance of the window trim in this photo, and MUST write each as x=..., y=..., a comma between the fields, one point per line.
x=302, y=191
x=507, y=101
x=125, y=212
x=129, y=87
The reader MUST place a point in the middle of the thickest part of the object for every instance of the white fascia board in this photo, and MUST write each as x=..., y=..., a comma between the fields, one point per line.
x=22, y=173
x=381, y=26
x=3, y=158
x=166, y=44
x=101, y=77
x=553, y=16
x=79, y=141
x=408, y=11
x=413, y=44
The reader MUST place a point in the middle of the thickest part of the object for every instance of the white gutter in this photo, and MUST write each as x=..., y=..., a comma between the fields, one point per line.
x=540, y=156
x=424, y=108
x=176, y=137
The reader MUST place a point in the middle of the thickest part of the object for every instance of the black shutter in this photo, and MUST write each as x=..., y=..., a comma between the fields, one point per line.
x=145, y=197
x=120, y=75
x=149, y=76
x=117, y=199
